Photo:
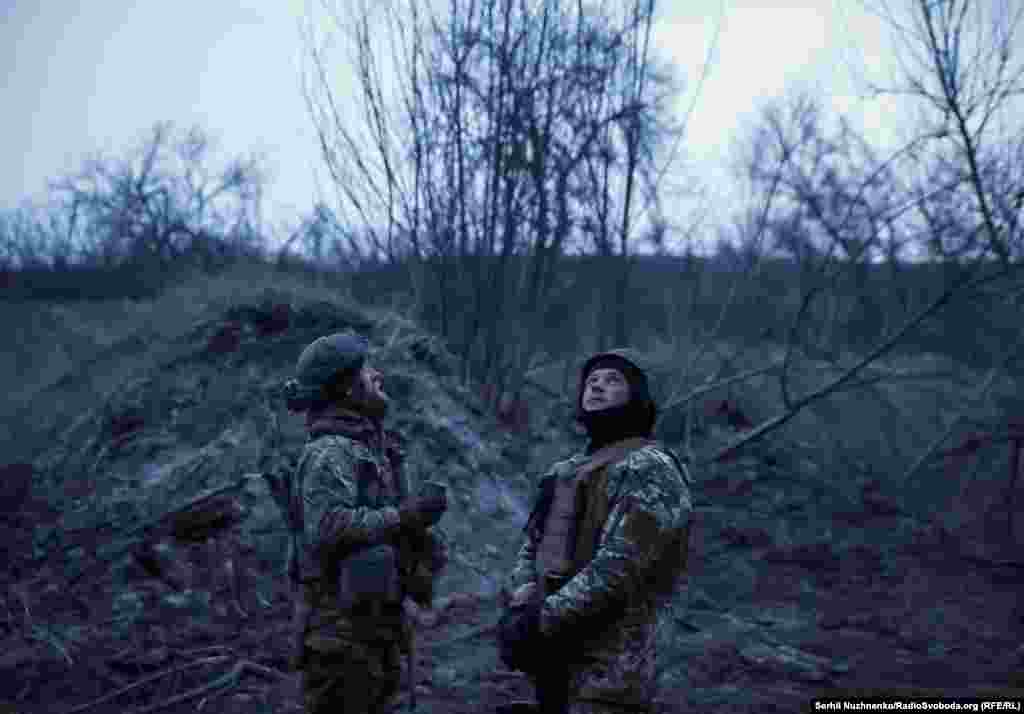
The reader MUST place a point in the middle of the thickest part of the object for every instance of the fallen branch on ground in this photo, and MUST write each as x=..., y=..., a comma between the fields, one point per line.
x=231, y=678
x=147, y=680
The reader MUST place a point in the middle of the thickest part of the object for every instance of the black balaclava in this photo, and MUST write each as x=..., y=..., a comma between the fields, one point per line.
x=632, y=419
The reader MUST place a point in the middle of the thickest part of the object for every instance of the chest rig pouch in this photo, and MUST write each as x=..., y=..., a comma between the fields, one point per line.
x=368, y=579
x=570, y=514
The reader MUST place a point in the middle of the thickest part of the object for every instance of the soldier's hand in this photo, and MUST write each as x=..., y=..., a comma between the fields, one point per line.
x=421, y=511
x=439, y=551
x=523, y=594
x=519, y=638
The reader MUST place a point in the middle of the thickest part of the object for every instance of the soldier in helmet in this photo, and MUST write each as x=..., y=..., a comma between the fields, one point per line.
x=605, y=542
x=366, y=543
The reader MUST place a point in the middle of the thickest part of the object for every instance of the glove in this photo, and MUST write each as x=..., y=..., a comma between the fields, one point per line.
x=519, y=638
x=522, y=595
x=300, y=622
x=439, y=551
x=424, y=557
x=422, y=511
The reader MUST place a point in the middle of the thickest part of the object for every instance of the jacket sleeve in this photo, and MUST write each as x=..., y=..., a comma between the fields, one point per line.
x=656, y=504
x=525, y=568
x=440, y=551
x=330, y=488
x=424, y=548
x=423, y=554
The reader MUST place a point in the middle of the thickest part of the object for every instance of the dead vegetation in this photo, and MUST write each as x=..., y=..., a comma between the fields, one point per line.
x=147, y=555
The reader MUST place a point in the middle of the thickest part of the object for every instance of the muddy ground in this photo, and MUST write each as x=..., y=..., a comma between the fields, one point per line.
x=758, y=627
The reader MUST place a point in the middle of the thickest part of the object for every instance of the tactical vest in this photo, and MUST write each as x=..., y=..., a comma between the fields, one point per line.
x=314, y=577
x=375, y=487
x=368, y=577
x=555, y=551
x=570, y=515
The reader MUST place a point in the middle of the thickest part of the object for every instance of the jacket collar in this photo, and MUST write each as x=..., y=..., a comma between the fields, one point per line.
x=346, y=422
x=610, y=453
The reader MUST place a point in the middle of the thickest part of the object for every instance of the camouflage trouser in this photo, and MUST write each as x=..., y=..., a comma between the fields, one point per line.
x=357, y=678
x=620, y=681
x=592, y=691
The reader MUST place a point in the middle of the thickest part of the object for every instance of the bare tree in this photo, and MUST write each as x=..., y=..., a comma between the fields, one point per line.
x=960, y=66
x=951, y=194
x=162, y=203
x=470, y=146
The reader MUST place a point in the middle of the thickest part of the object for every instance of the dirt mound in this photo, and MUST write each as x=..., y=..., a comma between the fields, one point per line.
x=146, y=552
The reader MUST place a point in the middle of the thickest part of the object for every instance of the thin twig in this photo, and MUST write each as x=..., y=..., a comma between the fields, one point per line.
x=840, y=382
x=229, y=679
x=741, y=377
x=980, y=393
x=712, y=336
x=147, y=680
x=41, y=634
x=207, y=650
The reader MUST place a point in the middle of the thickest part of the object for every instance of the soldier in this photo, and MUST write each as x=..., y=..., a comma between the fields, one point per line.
x=364, y=544
x=606, y=541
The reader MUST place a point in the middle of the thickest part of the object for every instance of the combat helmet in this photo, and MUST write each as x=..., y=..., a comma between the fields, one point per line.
x=326, y=365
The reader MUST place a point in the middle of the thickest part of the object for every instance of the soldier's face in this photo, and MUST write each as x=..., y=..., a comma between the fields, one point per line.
x=604, y=389
x=369, y=391
x=373, y=382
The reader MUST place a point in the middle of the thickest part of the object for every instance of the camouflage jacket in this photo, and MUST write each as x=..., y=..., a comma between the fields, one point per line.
x=350, y=479
x=608, y=607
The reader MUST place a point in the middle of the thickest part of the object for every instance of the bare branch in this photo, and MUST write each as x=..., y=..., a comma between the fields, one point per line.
x=968, y=281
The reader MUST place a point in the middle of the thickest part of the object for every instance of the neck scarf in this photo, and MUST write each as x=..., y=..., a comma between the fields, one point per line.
x=606, y=426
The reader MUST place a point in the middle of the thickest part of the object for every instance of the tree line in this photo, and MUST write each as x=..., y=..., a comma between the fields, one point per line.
x=504, y=164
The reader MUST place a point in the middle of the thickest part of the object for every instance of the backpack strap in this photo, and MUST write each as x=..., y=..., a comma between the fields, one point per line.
x=295, y=517
x=598, y=460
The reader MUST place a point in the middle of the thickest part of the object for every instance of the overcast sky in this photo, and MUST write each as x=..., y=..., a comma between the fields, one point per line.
x=86, y=77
